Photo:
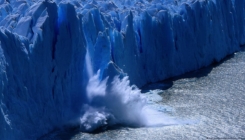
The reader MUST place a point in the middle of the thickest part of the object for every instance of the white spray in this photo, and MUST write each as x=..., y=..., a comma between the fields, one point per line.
x=116, y=103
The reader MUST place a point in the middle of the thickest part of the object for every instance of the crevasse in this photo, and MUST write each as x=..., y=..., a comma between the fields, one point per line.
x=43, y=45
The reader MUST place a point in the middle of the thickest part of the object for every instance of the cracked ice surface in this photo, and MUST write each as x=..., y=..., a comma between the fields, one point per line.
x=43, y=45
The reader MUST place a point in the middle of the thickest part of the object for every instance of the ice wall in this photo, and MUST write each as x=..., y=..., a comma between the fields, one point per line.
x=43, y=46
x=41, y=72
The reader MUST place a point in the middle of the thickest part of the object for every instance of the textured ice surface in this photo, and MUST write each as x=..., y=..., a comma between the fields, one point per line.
x=43, y=45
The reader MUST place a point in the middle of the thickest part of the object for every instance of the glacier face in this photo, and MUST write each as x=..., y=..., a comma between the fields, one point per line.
x=43, y=47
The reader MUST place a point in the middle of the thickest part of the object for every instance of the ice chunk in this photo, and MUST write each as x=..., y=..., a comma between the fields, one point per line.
x=43, y=44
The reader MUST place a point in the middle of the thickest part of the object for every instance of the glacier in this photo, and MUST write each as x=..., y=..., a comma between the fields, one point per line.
x=60, y=61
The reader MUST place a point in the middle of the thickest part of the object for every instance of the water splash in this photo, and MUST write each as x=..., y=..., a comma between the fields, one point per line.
x=116, y=103
x=112, y=103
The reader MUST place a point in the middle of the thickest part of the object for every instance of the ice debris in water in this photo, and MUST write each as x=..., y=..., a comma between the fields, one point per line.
x=43, y=47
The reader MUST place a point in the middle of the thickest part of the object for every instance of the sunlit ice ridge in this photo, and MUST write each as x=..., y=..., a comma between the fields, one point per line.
x=67, y=64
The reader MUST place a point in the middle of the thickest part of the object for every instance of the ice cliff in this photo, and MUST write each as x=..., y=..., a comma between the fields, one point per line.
x=43, y=45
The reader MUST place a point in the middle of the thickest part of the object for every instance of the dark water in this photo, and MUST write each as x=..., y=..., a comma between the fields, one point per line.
x=213, y=98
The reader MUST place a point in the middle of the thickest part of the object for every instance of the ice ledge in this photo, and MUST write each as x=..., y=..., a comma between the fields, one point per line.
x=42, y=51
